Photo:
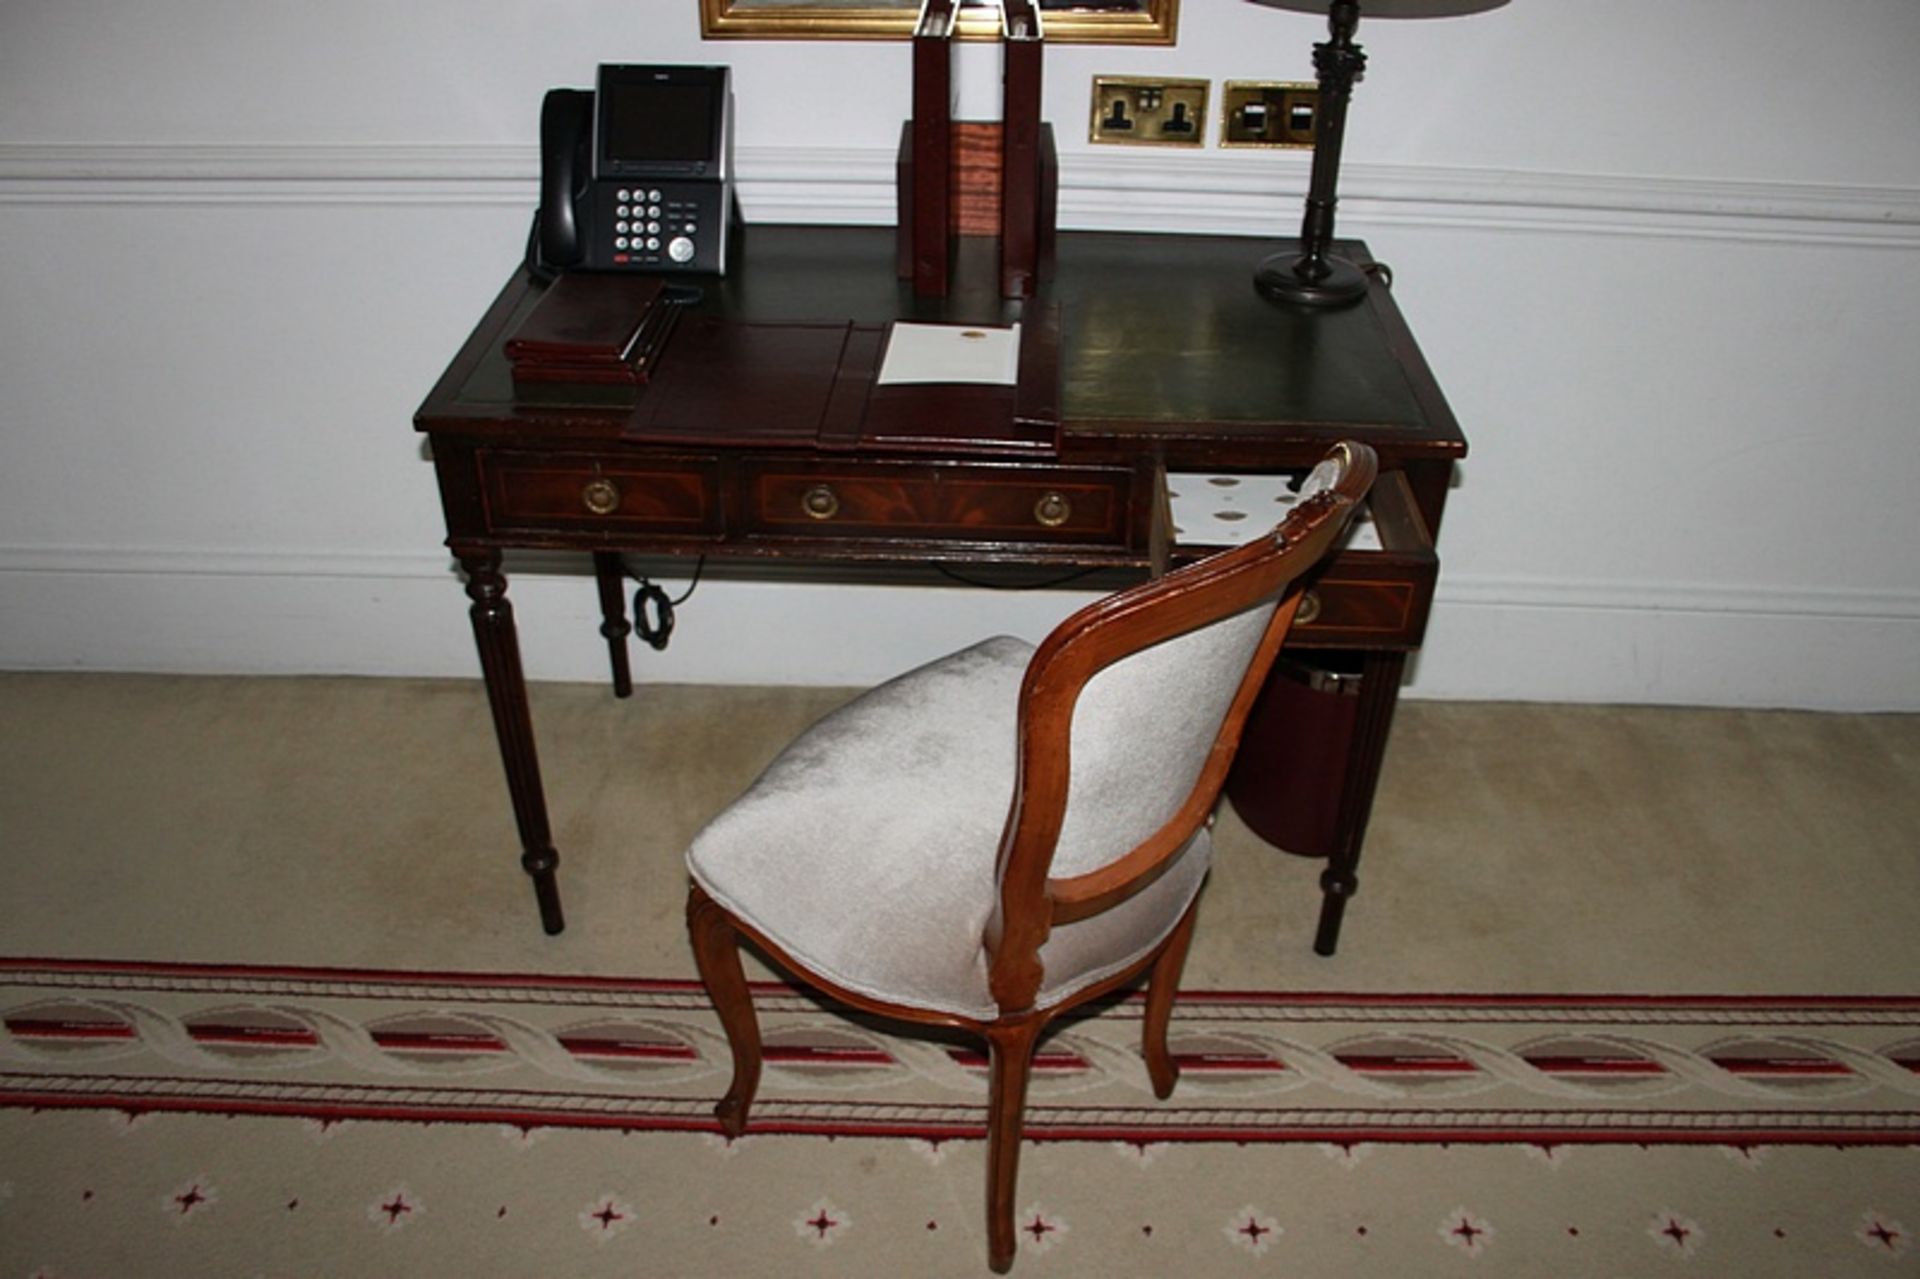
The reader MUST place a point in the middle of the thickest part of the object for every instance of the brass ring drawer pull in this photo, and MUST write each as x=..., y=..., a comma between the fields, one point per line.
x=820, y=502
x=1309, y=609
x=601, y=496
x=1052, y=510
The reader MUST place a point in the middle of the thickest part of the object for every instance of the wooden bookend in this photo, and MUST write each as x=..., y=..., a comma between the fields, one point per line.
x=1021, y=148
x=926, y=156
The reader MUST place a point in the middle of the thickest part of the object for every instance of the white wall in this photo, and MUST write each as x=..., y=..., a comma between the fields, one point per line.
x=1664, y=258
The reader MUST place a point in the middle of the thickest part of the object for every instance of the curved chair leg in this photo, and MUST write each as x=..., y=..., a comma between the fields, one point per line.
x=1162, y=986
x=1010, y=1054
x=716, y=950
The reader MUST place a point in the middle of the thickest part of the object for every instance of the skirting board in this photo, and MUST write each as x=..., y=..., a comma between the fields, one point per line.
x=405, y=616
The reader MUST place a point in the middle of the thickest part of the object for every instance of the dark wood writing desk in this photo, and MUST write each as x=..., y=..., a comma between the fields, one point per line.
x=1168, y=361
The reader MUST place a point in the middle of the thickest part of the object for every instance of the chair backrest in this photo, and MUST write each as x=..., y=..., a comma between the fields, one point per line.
x=1130, y=713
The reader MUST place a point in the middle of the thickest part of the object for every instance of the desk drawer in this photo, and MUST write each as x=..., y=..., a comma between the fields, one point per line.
x=1375, y=598
x=572, y=493
x=984, y=502
x=1374, y=593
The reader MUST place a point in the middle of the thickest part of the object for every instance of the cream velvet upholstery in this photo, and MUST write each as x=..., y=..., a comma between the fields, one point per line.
x=867, y=849
x=1141, y=733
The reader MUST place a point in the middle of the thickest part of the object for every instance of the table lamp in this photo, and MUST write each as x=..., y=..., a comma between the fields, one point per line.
x=1314, y=276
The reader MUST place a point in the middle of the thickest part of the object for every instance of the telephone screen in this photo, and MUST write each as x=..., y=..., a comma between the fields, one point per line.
x=660, y=122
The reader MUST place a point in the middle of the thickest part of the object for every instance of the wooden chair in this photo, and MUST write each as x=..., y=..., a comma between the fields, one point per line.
x=1008, y=832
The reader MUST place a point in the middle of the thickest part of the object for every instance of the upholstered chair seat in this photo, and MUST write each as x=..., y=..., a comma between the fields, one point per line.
x=900, y=797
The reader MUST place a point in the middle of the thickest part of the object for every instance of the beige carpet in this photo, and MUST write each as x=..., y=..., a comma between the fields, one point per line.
x=361, y=824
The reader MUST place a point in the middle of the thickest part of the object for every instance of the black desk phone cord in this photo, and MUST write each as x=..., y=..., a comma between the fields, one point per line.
x=653, y=611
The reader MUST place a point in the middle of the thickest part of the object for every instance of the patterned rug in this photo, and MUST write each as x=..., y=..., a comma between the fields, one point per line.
x=1355, y=1134
x=639, y=1054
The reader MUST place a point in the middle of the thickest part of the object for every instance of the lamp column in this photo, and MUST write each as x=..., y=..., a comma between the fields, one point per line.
x=1315, y=277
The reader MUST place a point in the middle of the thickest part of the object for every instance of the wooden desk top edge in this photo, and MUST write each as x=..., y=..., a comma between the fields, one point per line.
x=1437, y=437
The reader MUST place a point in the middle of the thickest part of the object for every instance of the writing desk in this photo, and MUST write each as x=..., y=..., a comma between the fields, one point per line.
x=1168, y=363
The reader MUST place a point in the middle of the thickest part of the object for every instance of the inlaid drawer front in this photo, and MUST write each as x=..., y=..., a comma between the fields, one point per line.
x=1336, y=603
x=571, y=493
x=944, y=503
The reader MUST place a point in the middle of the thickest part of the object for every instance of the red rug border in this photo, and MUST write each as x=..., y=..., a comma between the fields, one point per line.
x=1508, y=1127
x=1345, y=1135
x=675, y=985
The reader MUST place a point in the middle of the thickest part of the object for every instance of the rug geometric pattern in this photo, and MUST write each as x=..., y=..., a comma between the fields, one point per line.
x=648, y=1055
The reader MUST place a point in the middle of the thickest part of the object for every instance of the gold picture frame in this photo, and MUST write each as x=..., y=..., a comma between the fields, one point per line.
x=1146, y=22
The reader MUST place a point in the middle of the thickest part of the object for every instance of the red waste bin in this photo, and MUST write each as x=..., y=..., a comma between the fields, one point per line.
x=1287, y=780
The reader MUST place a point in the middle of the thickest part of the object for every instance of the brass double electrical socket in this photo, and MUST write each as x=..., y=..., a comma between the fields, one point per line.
x=1144, y=111
x=1267, y=113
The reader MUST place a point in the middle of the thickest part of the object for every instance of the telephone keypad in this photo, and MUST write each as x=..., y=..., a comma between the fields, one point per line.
x=652, y=228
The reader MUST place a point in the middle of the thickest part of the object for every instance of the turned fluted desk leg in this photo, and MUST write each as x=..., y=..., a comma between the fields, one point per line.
x=610, y=572
x=499, y=644
x=1379, y=693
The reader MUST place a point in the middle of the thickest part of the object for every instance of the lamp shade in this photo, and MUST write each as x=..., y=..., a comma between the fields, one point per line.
x=1393, y=8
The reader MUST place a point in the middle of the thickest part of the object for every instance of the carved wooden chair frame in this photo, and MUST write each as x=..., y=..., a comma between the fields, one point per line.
x=1030, y=900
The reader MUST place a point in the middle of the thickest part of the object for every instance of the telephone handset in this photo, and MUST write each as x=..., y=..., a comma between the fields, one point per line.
x=566, y=170
x=637, y=175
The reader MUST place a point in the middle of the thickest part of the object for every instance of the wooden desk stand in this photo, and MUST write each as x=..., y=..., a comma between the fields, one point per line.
x=976, y=178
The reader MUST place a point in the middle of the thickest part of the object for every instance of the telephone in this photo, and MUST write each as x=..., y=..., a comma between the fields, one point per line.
x=637, y=175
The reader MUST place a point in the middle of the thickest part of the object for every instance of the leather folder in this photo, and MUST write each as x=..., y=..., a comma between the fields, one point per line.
x=586, y=319
x=600, y=331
